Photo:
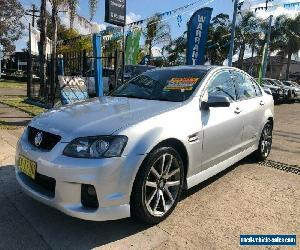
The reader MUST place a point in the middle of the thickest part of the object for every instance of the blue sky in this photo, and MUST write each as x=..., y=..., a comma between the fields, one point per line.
x=137, y=9
x=140, y=9
x=144, y=8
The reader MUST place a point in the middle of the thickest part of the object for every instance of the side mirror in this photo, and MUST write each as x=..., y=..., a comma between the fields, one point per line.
x=215, y=102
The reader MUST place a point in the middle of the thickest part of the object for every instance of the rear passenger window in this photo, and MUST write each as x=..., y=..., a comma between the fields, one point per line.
x=222, y=85
x=244, y=85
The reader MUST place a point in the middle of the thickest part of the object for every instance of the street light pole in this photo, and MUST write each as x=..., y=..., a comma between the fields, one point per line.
x=230, y=55
x=33, y=13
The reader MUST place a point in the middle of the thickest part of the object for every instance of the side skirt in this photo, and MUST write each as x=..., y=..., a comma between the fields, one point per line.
x=206, y=174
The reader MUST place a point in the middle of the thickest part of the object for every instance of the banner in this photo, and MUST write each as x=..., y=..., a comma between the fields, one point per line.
x=291, y=5
x=197, y=36
x=178, y=12
x=72, y=89
x=115, y=12
x=132, y=47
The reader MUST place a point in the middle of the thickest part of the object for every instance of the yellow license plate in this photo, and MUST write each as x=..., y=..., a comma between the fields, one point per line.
x=27, y=166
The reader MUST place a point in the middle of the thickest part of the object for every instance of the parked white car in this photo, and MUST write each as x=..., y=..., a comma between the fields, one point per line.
x=132, y=153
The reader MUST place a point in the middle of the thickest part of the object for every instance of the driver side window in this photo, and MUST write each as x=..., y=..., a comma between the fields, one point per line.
x=222, y=85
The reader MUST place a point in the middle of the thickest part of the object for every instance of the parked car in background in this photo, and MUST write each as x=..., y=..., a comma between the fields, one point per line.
x=277, y=92
x=289, y=93
x=132, y=153
x=132, y=71
x=295, y=86
x=109, y=81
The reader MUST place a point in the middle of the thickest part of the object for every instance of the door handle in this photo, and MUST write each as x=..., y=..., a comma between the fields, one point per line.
x=261, y=103
x=237, y=110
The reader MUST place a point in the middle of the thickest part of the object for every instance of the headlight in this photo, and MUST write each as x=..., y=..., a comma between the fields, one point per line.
x=96, y=147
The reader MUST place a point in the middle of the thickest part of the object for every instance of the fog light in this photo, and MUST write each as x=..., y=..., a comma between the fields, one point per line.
x=91, y=190
x=89, y=196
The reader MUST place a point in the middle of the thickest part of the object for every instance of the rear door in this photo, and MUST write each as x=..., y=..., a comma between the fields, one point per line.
x=252, y=107
x=222, y=126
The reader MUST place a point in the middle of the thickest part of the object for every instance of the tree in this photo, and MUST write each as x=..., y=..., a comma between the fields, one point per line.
x=42, y=48
x=286, y=38
x=176, y=50
x=56, y=6
x=11, y=26
x=218, y=39
x=61, y=28
x=157, y=32
x=76, y=42
x=245, y=31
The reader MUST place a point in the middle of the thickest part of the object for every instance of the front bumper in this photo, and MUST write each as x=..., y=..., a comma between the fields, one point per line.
x=112, y=179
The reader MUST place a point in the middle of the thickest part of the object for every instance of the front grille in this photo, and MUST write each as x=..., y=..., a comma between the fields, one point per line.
x=48, y=140
x=42, y=184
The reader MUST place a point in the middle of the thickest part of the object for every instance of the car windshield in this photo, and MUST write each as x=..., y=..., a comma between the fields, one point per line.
x=272, y=82
x=278, y=83
x=287, y=83
x=162, y=85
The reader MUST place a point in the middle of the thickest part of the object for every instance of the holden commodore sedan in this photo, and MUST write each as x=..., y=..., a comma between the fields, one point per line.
x=132, y=153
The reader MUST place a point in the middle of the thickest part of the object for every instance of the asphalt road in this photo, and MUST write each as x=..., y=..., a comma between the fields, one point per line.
x=248, y=198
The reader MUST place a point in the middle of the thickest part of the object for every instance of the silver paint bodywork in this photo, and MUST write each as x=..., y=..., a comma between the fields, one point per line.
x=214, y=140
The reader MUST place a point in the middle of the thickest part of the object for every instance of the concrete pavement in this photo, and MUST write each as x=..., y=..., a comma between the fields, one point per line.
x=246, y=198
x=10, y=116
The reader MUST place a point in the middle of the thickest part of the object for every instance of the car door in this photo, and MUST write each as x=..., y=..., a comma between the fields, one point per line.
x=252, y=107
x=222, y=126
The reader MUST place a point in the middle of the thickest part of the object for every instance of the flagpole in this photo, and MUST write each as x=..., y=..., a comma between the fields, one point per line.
x=123, y=57
x=230, y=55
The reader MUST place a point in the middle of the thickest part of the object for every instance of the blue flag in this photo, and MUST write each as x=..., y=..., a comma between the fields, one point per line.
x=197, y=36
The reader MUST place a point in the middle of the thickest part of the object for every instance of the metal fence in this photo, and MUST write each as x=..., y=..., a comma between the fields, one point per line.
x=36, y=90
x=78, y=60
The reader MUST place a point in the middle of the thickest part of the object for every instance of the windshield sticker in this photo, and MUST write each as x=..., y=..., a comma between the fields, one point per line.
x=182, y=84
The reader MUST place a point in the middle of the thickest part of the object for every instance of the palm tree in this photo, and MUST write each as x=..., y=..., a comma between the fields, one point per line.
x=157, y=32
x=218, y=39
x=286, y=38
x=247, y=34
x=176, y=50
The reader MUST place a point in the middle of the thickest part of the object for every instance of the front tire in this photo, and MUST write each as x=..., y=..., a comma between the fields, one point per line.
x=265, y=143
x=158, y=185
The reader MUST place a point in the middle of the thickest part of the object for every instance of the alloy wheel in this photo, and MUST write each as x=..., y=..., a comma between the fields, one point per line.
x=266, y=141
x=162, y=185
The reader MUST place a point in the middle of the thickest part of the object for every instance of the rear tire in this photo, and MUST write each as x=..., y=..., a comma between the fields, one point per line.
x=158, y=185
x=265, y=143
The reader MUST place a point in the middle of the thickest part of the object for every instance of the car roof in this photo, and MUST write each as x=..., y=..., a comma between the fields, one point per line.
x=191, y=67
x=139, y=66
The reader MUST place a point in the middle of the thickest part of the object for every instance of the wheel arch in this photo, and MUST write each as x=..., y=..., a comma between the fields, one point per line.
x=178, y=146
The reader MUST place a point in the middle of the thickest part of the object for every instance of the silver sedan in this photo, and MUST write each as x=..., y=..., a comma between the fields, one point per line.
x=132, y=153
